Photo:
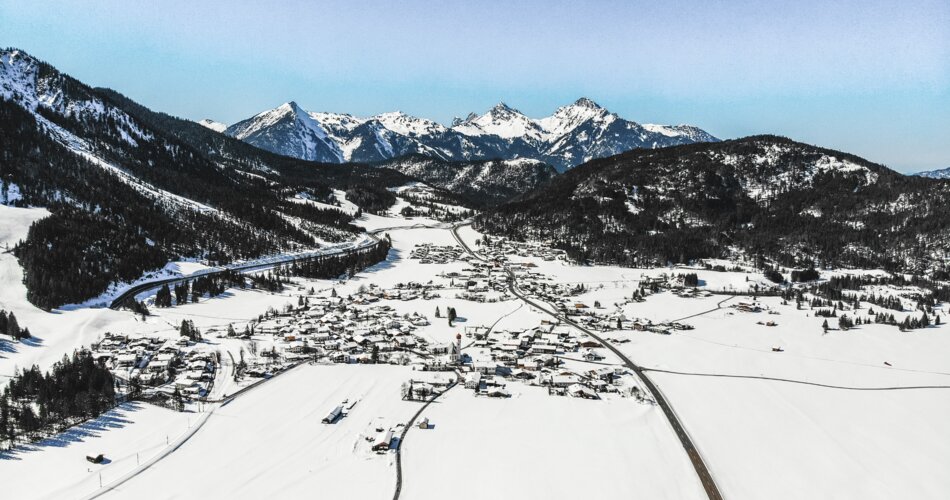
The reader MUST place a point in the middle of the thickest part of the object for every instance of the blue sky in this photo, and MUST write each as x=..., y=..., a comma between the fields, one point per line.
x=871, y=78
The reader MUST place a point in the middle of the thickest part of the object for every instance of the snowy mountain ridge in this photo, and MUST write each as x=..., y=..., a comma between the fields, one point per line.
x=760, y=195
x=129, y=189
x=943, y=173
x=573, y=134
x=291, y=130
x=213, y=125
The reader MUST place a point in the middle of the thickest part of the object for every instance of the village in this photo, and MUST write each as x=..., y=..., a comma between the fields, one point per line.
x=367, y=327
x=369, y=323
x=155, y=367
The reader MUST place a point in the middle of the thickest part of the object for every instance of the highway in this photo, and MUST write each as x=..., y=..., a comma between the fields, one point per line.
x=344, y=248
x=709, y=485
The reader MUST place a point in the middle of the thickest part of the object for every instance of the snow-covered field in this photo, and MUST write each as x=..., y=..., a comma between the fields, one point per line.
x=536, y=446
x=270, y=442
x=760, y=438
x=57, y=468
x=776, y=439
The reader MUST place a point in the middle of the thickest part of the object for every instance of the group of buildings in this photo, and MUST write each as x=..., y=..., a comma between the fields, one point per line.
x=159, y=365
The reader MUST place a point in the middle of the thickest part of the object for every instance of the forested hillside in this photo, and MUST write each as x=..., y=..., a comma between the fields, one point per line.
x=128, y=192
x=481, y=183
x=762, y=196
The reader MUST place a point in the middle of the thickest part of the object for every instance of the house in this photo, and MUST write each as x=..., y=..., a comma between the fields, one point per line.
x=125, y=360
x=543, y=349
x=581, y=391
x=473, y=381
x=564, y=380
x=483, y=367
x=496, y=392
x=523, y=375
x=383, y=441
x=605, y=373
x=748, y=306
x=591, y=355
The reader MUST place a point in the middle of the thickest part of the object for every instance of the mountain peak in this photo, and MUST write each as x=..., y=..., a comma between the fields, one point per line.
x=291, y=106
x=578, y=131
x=503, y=109
x=584, y=102
x=213, y=125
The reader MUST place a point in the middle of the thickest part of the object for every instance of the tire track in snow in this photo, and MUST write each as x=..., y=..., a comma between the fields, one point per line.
x=802, y=382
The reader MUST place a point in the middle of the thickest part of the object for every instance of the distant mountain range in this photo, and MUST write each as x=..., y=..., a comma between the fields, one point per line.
x=129, y=189
x=574, y=134
x=943, y=173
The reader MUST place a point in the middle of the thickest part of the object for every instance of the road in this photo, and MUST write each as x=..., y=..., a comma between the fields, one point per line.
x=405, y=429
x=709, y=485
x=345, y=248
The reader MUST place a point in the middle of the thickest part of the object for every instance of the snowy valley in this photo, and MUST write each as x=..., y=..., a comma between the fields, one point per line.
x=311, y=304
x=325, y=384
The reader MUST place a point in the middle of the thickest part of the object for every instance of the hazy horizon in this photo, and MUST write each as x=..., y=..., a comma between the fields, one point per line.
x=869, y=78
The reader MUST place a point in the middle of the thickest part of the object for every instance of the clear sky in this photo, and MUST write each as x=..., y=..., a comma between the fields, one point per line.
x=867, y=77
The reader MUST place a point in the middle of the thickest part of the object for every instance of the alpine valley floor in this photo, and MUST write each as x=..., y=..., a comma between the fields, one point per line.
x=780, y=412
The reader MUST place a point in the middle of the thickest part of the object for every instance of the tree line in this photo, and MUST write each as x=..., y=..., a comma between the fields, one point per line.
x=35, y=404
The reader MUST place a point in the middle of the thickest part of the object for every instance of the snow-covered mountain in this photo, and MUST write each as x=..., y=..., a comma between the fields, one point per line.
x=504, y=122
x=943, y=173
x=574, y=134
x=290, y=131
x=129, y=189
x=762, y=195
x=213, y=125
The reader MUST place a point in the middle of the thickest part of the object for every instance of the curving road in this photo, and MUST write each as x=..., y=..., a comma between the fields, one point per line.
x=709, y=485
x=405, y=429
x=345, y=248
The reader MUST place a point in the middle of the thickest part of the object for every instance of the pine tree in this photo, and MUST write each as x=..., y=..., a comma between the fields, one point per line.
x=451, y=315
x=177, y=400
x=163, y=298
x=13, y=328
